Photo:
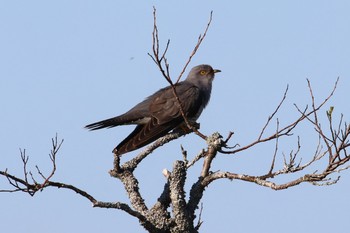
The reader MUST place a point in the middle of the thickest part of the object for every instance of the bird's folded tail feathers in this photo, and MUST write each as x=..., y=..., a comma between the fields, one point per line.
x=109, y=123
x=100, y=125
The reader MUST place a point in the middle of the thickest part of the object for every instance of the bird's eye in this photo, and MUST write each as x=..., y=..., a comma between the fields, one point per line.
x=203, y=72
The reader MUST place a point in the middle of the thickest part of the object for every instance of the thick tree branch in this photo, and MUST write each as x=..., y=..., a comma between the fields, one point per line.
x=131, y=186
x=214, y=144
x=133, y=163
x=177, y=196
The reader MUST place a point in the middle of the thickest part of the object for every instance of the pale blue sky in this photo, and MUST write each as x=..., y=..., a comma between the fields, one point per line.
x=65, y=64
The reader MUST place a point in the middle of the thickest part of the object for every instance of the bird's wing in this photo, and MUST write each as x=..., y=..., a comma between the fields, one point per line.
x=165, y=107
x=143, y=135
x=165, y=116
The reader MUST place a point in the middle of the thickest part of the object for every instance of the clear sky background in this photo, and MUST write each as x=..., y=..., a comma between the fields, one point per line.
x=64, y=64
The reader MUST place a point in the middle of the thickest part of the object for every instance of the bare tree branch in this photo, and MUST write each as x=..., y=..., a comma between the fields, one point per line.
x=285, y=131
x=194, y=51
x=163, y=65
x=273, y=113
x=336, y=146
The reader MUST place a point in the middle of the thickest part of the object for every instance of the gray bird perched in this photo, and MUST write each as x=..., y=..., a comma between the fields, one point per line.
x=160, y=113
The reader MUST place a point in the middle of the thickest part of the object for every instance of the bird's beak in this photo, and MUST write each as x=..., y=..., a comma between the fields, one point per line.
x=216, y=71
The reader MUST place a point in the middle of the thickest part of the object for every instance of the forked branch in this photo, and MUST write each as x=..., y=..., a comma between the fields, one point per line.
x=161, y=61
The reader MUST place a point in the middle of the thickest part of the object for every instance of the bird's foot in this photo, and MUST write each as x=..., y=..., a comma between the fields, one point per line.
x=185, y=129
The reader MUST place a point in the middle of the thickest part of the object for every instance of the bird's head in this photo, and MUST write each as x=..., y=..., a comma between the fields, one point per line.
x=202, y=74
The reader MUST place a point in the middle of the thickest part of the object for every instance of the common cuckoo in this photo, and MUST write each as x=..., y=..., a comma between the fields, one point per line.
x=160, y=113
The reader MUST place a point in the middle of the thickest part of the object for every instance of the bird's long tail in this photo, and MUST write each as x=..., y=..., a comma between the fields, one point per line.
x=109, y=123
